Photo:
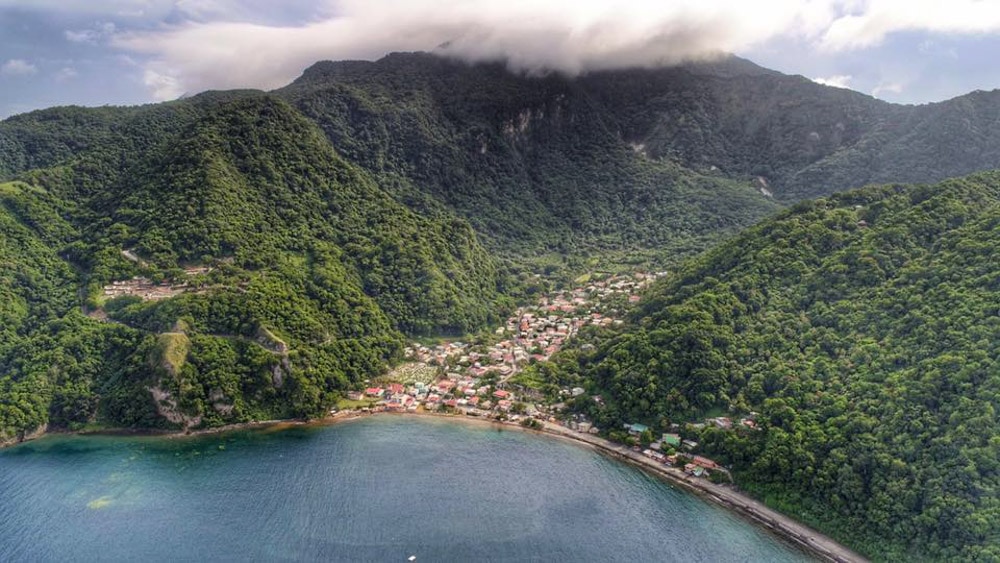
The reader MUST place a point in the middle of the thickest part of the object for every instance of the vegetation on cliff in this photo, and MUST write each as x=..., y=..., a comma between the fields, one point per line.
x=289, y=241
x=302, y=234
x=864, y=330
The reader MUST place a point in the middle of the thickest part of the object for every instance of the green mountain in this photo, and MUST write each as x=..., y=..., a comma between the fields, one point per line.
x=294, y=237
x=303, y=275
x=535, y=164
x=477, y=137
x=643, y=163
x=864, y=331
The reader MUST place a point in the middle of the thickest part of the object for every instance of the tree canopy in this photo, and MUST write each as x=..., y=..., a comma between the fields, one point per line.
x=864, y=331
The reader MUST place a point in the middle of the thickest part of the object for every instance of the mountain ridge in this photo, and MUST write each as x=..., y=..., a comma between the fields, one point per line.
x=451, y=136
x=863, y=120
x=416, y=196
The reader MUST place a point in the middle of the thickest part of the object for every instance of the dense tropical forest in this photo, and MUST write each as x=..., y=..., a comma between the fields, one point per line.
x=301, y=275
x=238, y=256
x=485, y=133
x=863, y=330
x=536, y=165
x=311, y=229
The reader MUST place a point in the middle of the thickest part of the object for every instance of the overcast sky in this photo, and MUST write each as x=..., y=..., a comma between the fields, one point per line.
x=96, y=52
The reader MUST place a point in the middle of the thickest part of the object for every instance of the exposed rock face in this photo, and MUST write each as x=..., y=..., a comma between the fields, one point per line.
x=23, y=436
x=166, y=406
x=278, y=374
x=220, y=403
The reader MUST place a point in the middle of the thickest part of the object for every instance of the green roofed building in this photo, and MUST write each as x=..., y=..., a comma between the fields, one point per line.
x=673, y=440
x=636, y=428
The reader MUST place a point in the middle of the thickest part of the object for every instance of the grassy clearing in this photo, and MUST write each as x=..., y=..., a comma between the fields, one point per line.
x=529, y=378
x=347, y=404
x=174, y=348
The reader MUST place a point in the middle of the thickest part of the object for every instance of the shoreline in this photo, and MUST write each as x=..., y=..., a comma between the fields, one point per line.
x=785, y=527
x=782, y=526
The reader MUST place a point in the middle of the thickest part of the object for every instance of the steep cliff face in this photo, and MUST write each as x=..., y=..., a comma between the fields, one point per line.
x=727, y=117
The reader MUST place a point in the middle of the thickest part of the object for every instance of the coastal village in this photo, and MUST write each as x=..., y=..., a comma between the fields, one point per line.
x=535, y=333
x=459, y=378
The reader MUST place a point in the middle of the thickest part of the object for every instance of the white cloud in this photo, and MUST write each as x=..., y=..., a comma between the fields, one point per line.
x=256, y=11
x=93, y=36
x=206, y=9
x=565, y=35
x=18, y=67
x=85, y=36
x=162, y=86
x=218, y=48
x=125, y=60
x=869, y=22
x=124, y=8
x=837, y=81
x=66, y=74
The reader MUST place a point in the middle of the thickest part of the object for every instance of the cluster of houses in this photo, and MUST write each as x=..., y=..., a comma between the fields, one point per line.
x=673, y=450
x=578, y=423
x=475, y=376
x=726, y=423
x=631, y=284
x=144, y=288
x=456, y=393
x=667, y=450
x=535, y=333
x=441, y=355
x=697, y=465
x=148, y=290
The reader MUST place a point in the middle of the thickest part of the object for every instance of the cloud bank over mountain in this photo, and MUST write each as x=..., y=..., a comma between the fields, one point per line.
x=219, y=50
x=560, y=35
x=909, y=50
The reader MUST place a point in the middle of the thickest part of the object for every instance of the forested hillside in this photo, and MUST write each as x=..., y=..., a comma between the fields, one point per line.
x=534, y=163
x=302, y=274
x=864, y=331
x=483, y=133
x=293, y=239
x=651, y=163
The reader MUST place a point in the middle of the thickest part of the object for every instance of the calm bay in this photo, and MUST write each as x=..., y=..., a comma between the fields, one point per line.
x=378, y=489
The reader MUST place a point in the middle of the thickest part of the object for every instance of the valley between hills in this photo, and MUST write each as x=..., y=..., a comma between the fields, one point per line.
x=828, y=297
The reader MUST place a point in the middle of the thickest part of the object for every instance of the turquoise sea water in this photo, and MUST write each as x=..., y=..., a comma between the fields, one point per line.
x=379, y=489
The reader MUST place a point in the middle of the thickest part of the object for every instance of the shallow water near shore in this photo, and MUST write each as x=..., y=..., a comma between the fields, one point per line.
x=378, y=489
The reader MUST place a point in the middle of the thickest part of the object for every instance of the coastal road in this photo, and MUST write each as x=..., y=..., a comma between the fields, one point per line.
x=799, y=533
